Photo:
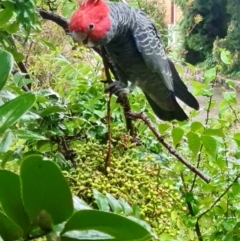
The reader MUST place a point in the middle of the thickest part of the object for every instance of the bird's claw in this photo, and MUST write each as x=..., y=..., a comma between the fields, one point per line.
x=117, y=88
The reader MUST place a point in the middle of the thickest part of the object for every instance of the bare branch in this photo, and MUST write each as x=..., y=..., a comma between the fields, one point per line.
x=59, y=20
x=174, y=152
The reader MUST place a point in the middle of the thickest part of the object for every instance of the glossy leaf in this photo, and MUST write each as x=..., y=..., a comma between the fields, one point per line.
x=14, y=109
x=6, y=141
x=44, y=189
x=9, y=231
x=101, y=201
x=125, y=206
x=112, y=224
x=114, y=203
x=6, y=60
x=10, y=199
x=28, y=135
x=79, y=204
x=136, y=211
x=86, y=236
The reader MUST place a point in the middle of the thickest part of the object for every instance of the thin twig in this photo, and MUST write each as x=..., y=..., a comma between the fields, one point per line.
x=109, y=151
x=24, y=70
x=219, y=198
x=174, y=152
x=234, y=113
x=206, y=123
x=61, y=21
x=109, y=81
x=191, y=212
x=29, y=51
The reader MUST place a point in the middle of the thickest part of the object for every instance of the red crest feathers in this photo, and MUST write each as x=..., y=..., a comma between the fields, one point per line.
x=94, y=12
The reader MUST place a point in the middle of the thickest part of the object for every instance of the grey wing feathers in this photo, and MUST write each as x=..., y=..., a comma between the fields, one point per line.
x=149, y=45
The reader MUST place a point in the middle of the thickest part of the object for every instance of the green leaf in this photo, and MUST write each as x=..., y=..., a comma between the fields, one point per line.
x=126, y=207
x=189, y=197
x=14, y=109
x=80, y=204
x=228, y=237
x=191, y=67
x=28, y=135
x=214, y=132
x=210, y=75
x=9, y=231
x=6, y=141
x=10, y=199
x=208, y=92
x=196, y=126
x=210, y=145
x=115, y=225
x=236, y=188
x=7, y=156
x=226, y=57
x=101, y=200
x=114, y=203
x=13, y=27
x=230, y=97
x=198, y=87
x=86, y=236
x=194, y=143
x=52, y=110
x=6, y=60
x=177, y=134
x=163, y=127
x=68, y=8
x=5, y=16
x=136, y=211
x=236, y=137
x=45, y=190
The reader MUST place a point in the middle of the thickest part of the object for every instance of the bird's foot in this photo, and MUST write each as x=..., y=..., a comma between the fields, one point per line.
x=117, y=88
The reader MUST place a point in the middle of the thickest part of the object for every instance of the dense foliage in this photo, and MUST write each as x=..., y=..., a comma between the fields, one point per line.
x=231, y=41
x=54, y=122
x=202, y=22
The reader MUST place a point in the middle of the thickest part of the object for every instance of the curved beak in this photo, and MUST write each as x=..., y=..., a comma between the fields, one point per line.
x=82, y=39
x=78, y=37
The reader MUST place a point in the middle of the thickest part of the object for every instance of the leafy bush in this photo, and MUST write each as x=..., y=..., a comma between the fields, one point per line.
x=38, y=203
x=66, y=122
x=202, y=22
x=231, y=41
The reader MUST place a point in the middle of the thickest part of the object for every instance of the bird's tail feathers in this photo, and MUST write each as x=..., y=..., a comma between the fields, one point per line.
x=166, y=115
x=181, y=90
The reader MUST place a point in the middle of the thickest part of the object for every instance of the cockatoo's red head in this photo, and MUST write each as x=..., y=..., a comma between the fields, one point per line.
x=90, y=23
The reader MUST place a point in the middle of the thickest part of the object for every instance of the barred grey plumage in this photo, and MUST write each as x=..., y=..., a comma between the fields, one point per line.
x=135, y=49
x=134, y=46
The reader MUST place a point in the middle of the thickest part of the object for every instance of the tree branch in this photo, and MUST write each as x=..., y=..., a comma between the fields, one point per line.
x=219, y=198
x=174, y=152
x=59, y=20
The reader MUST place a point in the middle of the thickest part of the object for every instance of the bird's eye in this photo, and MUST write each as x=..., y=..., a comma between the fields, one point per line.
x=91, y=26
